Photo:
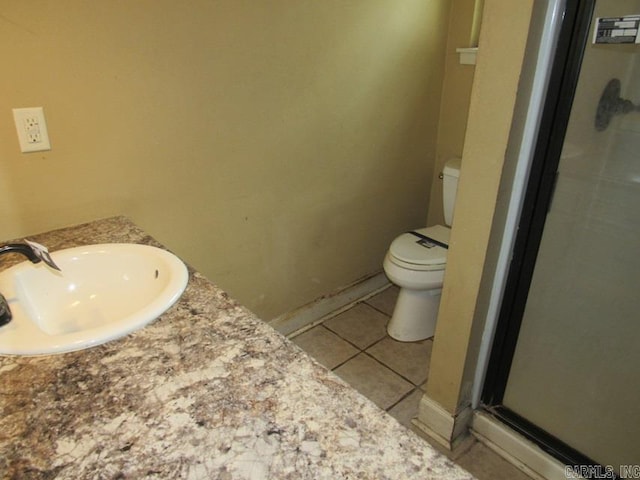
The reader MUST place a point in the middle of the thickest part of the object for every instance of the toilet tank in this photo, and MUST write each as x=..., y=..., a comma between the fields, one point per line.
x=450, y=176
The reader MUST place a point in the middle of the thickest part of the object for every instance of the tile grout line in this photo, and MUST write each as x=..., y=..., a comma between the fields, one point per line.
x=360, y=350
x=364, y=350
x=339, y=311
x=404, y=397
x=350, y=342
x=389, y=368
x=376, y=308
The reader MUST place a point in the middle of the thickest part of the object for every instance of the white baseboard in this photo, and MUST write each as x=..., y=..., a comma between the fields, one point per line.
x=440, y=425
x=515, y=448
x=313, y=313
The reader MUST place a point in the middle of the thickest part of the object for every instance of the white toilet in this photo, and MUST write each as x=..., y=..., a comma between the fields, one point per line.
x=415, y=262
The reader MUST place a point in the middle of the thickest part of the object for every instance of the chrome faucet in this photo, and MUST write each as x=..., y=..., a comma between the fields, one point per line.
x=35, y=253
x=21, y=248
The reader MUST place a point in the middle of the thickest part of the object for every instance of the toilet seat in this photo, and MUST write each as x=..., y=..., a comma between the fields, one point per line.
x=413, y=252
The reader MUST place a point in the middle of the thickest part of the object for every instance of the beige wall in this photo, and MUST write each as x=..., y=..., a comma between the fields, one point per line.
x=277, y=146
x=502, y=42
x=456, y=93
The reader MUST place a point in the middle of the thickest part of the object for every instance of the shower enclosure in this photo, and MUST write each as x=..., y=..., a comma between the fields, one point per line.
x=565, y=368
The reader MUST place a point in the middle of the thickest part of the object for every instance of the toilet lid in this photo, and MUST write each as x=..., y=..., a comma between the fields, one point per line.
x=418, y=250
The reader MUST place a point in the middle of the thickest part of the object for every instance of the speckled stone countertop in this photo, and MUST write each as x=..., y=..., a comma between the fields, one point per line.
x=206, y=391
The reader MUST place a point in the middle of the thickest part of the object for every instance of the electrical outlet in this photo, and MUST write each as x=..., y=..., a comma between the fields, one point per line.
x=32, y=129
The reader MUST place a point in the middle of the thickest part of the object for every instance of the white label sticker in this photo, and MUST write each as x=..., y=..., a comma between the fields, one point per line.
x=617, y=29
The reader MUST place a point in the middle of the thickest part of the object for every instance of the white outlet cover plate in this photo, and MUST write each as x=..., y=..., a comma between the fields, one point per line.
x=32, y=129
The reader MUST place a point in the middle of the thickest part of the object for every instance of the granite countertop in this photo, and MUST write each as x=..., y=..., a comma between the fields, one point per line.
x=206, y=391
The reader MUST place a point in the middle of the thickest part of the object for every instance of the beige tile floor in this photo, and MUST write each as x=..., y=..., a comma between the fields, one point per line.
x=355, y=345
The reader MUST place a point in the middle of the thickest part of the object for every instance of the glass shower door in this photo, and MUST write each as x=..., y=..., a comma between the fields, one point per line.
x=576, y=368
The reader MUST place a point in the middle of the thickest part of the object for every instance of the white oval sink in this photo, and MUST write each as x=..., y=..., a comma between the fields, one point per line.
x=102, y=293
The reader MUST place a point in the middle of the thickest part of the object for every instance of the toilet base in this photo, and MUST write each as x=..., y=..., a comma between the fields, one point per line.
x=414, y=316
